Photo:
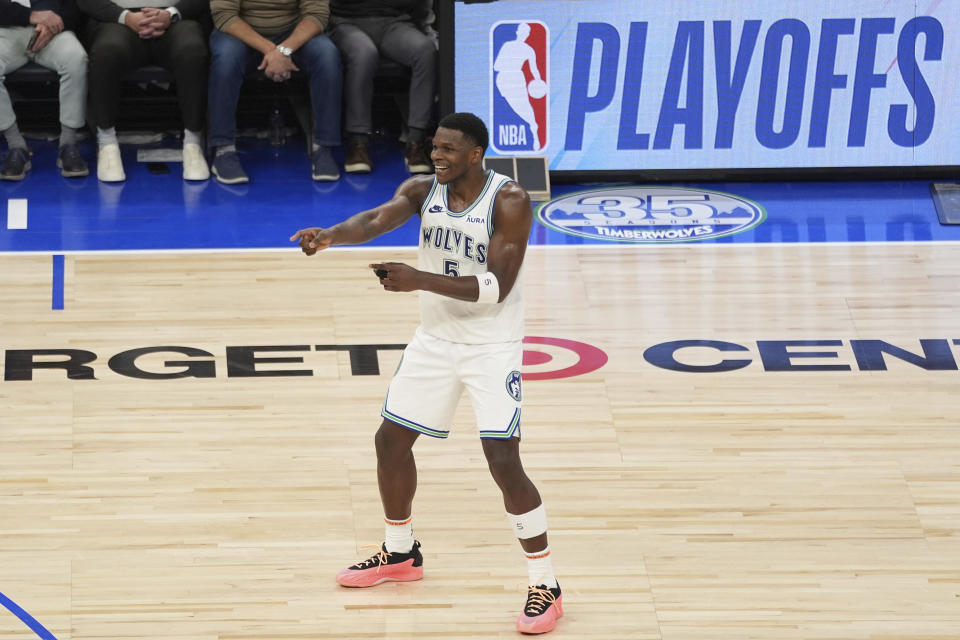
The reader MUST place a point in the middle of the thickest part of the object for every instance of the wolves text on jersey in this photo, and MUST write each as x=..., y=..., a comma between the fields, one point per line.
x=454, y=241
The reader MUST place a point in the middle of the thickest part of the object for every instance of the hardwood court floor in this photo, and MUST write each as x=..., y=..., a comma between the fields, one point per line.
x=747, y=504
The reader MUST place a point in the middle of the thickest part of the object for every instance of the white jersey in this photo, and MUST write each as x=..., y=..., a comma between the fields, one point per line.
x=455, y=243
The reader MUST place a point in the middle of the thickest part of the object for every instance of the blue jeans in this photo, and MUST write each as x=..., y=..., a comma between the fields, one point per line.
x=230, y=59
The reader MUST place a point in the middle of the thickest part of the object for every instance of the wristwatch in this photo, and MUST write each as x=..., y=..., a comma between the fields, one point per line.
x=284, y=50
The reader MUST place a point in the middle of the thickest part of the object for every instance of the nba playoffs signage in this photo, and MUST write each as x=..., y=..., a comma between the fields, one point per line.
x=687, y=84
x=651, y=214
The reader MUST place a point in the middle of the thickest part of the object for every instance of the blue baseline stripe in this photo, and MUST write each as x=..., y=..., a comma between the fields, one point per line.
x=25, y=617
x=57, y=294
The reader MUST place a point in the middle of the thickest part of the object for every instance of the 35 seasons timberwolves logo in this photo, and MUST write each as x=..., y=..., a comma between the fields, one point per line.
x=651, y=214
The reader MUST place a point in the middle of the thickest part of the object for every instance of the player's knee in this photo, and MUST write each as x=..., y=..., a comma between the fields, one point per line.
x=389, y=445
x=383, y=444
x=504, y=464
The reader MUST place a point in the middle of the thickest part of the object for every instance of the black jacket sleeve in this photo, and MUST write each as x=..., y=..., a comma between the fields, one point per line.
x=108, y=11
x=101, y=10
x=13, y=14
x=194, y=9
x=66, y=8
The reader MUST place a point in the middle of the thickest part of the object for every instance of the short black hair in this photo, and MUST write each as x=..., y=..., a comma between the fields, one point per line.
x=469, y=125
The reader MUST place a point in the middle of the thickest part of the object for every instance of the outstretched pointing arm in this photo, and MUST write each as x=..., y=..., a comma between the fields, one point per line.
x=367, y=225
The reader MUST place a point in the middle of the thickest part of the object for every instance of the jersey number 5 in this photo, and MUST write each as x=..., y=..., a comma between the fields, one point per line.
x=451, y=268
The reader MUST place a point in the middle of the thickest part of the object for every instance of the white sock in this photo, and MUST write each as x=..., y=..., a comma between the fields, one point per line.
x=107, y=136
x=398, y=535
x=193, y=137
x=540, y=568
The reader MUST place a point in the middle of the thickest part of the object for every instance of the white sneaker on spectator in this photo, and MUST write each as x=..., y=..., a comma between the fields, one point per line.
x=109, y=164
x=194, y=164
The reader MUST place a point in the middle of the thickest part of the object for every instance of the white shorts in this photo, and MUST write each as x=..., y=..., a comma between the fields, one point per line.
x=432, y=374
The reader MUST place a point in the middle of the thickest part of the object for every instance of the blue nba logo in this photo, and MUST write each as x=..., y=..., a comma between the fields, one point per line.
x=519, y=87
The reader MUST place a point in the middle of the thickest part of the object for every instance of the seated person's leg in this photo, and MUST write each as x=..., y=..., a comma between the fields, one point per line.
x=409, y=46
x=228, y=62
x=183, y=50
x=13, y=55
x=114, y=51
x=65, y=55
x=360, y=58
x=13, y=47
x=319, y=58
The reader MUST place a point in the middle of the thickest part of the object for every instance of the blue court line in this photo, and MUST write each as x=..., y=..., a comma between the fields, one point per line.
x=26, y=618
x=57, y=293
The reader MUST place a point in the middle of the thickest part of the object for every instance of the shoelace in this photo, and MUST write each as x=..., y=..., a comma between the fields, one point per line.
x=539, y=600
x=380, y=557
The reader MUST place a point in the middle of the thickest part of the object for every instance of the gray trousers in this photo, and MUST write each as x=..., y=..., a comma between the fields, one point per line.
x=361, y=42
x=63, y=54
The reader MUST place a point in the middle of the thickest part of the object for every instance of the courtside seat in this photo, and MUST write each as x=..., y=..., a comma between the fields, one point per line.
x=33, y=73
x=149, y=101
x=35, y=93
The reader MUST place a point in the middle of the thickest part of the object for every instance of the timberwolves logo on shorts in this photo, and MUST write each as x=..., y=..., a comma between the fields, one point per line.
x=513, y=385
x=519, y=88
x=651, y=214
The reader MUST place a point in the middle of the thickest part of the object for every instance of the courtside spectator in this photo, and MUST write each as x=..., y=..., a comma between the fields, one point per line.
x=277, y=37
x=364, y=30
x=125, y=34
x=41, y=31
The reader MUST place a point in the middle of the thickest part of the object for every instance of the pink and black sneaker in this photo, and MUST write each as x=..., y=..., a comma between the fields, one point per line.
x=542, y=610
x=384, y=566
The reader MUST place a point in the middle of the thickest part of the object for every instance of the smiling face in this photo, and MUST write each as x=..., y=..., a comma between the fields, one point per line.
x=454, y=155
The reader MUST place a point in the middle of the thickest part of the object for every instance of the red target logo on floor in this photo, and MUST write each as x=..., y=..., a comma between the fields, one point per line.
x=552, y=358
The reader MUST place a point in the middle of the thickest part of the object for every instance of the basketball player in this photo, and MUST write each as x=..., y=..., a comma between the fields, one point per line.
x=474, y=226
x=510, y=81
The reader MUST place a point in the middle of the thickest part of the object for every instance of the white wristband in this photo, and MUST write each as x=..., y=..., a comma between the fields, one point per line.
x=489, y=288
